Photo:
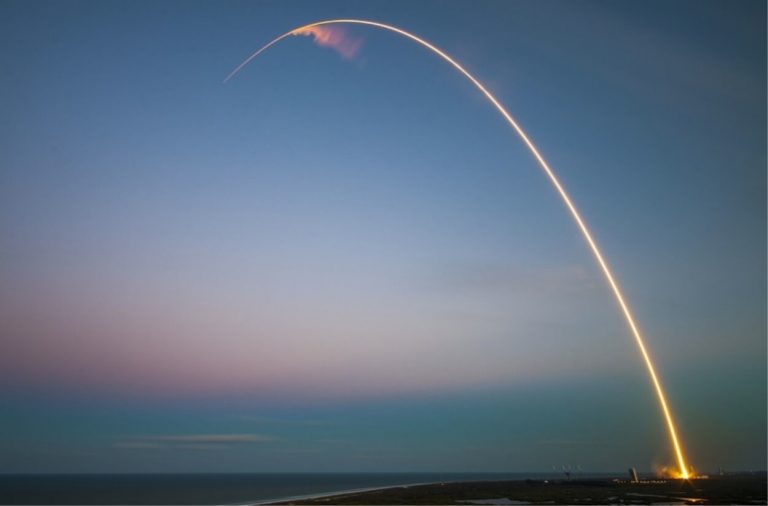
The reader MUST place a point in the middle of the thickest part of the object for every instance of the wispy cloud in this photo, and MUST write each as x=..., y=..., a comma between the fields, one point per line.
x=334, y=37
x=333, y=441
x=268, y=420
x=136, y=445
x=192, y=441
x=212, y=438
x=579, y=443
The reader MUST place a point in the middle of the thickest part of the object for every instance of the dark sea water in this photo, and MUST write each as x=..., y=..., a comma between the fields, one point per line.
x=207, y=488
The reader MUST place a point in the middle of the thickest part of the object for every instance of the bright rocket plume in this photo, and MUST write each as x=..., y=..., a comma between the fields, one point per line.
x=318, y=28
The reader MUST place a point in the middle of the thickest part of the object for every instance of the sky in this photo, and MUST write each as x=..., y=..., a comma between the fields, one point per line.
x=345, y=260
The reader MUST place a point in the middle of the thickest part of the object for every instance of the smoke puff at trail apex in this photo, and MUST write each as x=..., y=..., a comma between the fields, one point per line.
x=335, y=38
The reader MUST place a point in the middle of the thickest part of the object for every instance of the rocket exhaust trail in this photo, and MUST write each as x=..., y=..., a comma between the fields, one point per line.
x=630, y=320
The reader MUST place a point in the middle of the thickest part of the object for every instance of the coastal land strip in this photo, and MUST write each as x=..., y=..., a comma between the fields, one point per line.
x=747, y=488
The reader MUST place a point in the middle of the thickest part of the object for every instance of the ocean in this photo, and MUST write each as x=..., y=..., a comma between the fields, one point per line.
x=208, y=488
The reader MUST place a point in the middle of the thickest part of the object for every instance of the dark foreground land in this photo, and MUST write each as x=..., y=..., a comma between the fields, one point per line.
x=731, y=489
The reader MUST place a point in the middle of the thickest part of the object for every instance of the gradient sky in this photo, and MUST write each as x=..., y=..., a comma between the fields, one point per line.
x=352, y=264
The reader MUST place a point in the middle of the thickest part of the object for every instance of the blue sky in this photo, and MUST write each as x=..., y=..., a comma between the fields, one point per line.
x=340, y=264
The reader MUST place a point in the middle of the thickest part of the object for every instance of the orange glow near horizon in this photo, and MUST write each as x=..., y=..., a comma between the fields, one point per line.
x=315, y=29
x=676, y=474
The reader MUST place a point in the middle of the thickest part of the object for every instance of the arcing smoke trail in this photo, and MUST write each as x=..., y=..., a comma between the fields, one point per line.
x=684, y=473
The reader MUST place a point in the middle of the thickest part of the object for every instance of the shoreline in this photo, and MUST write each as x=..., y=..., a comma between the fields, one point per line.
x=346, y=492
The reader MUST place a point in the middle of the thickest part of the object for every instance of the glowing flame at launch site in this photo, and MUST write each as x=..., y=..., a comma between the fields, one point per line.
x=337, y=40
